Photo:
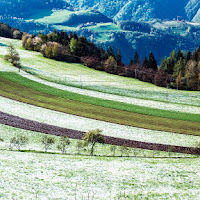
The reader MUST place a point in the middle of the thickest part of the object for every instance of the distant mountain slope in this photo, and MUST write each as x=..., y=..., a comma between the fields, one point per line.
x=22, y=8
x=193, y=10
x=161, y=34
x=141, y=10
x=119, y=10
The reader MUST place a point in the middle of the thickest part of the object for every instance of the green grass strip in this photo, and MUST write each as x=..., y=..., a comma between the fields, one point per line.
x=24, y=94
x=97, y=101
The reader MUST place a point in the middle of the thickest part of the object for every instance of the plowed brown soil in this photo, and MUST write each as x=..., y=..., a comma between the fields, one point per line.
x=26, y=124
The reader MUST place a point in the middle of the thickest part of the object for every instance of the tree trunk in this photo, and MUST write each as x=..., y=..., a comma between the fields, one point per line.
x=92, y=149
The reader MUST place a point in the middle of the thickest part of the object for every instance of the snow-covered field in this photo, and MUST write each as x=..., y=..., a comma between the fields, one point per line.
x=84, y=124
x=129, y=100
x=47, y=176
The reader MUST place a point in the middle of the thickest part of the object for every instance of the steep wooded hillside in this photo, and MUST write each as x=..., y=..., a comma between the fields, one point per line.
x=142, y=10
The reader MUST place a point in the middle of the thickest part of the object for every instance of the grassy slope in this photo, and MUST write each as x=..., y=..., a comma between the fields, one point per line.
x=54, y=17
x=27, y=95
x=49, y=176
x=67, y=73
x=99, y=102
x=29, y=174
x=102, y=27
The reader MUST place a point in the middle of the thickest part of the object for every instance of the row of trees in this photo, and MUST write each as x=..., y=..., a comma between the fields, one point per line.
x=71, y=48
x=91, y=137
x=60, y=46
x=180, y=70
x=184, y=68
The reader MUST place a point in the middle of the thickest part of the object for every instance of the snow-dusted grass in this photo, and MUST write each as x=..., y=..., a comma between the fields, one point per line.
x=47, y=176
x=84, y=124
x=129, y=100
x=35, y=145
x=77, y=74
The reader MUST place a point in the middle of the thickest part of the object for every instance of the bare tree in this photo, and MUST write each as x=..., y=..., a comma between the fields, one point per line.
x=113, y=149
x=79, y=146
x=63, y=143
x=47, y=142
x=18, y=142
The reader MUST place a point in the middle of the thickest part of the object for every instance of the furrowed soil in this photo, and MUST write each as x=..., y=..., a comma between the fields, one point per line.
x=54, y=130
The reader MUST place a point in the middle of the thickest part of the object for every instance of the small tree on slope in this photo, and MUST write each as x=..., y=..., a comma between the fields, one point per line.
x=47, y=142
x=63, y=143
x=93, y=136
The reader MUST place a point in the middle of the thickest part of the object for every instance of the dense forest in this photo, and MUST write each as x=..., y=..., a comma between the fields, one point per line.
x=181, y=70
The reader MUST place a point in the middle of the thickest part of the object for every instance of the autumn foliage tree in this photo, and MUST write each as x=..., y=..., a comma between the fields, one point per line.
x=92, y=137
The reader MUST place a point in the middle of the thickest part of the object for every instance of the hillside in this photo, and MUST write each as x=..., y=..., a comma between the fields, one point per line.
x=150, y=133
x=23, y=8
x=142, y=10
x=94, y=19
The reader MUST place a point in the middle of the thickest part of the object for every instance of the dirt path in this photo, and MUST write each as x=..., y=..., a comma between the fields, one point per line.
x=26, y=124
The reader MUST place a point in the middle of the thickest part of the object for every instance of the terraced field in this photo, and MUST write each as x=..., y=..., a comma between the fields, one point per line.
x=79, y=99
x=13, y=86
x=77, y=75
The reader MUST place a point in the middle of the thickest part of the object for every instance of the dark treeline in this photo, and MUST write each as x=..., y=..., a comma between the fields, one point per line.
x=8, y=32
x=180, y=70
x=71, y=48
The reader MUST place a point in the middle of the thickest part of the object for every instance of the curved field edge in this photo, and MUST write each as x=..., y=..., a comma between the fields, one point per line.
x=54, y=130
x=97, y=101
x=18, y=92
x=35, y=62
x=73, y=122
x=166, y=96
x=130, y=100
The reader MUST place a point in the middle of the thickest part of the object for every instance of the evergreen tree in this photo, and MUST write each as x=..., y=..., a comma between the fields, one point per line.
x=180, y=54
x=110, y=52
x=195, y=56
x=118, y=57
x=145, y=62
x=152, y=62
x=103, y=54
x=179, y=67
x=189, y=56
x=131, y=62
x=136, y=59
x=169, y=68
